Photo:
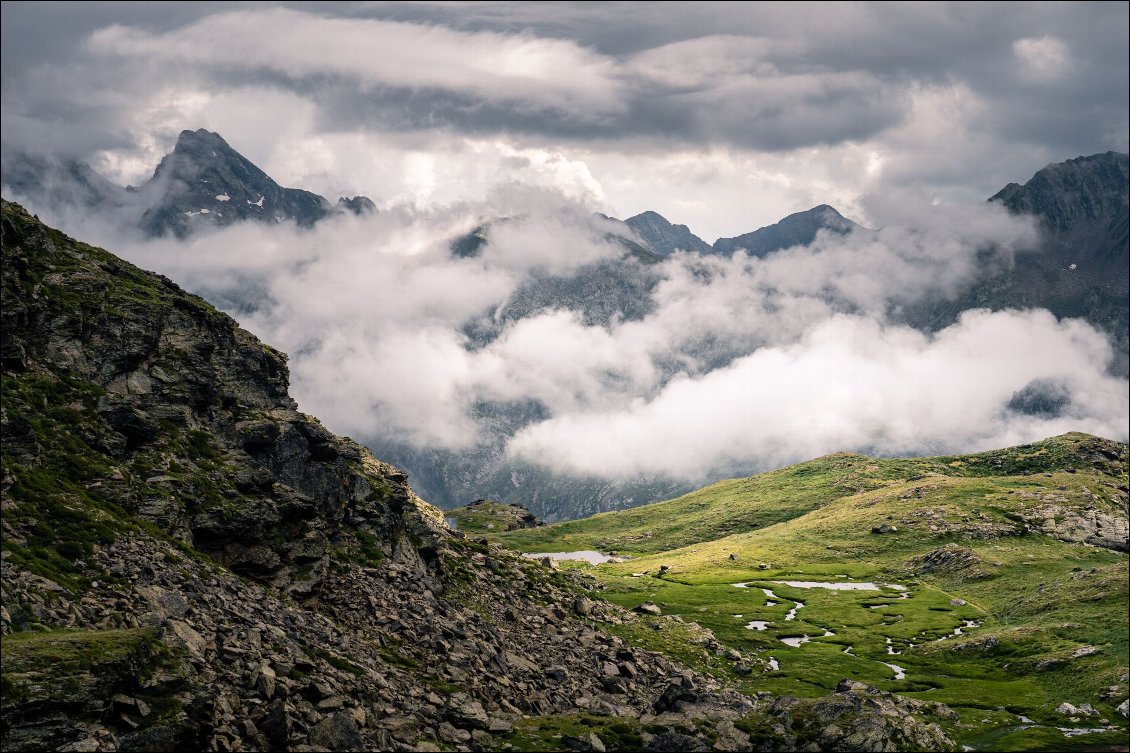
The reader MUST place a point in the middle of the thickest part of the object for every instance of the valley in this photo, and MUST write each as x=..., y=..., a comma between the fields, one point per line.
x=982, y=589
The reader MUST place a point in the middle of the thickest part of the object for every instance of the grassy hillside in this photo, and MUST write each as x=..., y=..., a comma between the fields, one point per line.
x=741, y=505
x=993, y=544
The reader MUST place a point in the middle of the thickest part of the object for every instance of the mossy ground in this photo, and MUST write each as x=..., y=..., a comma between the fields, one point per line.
x=63, y=666
x=1037, y=601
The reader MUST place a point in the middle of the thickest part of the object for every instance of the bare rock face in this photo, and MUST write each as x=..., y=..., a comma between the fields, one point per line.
x=1108, y=529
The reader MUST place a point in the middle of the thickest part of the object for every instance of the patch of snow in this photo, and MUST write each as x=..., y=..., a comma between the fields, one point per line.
x=256, y=203
x=773, y=665
x=1073, y=266
x=222, y=197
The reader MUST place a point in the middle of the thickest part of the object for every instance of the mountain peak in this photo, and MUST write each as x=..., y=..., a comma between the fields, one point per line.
x=798, y=229
x=204, y=182
x=200, y=136
x=663, y=237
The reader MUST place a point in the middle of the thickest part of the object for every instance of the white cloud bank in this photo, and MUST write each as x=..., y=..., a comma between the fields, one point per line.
x=741, y=364
x=849, y=384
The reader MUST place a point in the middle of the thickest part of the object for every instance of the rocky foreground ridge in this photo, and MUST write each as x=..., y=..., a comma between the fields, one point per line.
x=190, y=562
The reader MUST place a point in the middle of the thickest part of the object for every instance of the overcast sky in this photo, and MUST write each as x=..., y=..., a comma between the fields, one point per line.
x=724, y=117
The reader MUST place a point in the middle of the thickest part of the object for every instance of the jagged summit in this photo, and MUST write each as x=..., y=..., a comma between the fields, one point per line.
x=202, y=183
x=797, y=229
x=665, y=238
x=205, y=182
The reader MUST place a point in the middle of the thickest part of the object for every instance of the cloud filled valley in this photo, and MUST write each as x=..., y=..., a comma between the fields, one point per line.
x=722, y=365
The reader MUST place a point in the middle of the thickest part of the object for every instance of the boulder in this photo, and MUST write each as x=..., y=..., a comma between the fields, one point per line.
x=337, y=732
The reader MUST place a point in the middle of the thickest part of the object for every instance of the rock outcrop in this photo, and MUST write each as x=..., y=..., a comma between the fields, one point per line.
x=484, y=515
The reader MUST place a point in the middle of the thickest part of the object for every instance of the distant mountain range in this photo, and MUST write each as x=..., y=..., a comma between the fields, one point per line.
x=1080, y=270
x=664, y=238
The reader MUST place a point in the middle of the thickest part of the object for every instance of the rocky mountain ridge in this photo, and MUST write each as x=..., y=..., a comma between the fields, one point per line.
x=190, y=563
x=665, y=238
x=1080, y=268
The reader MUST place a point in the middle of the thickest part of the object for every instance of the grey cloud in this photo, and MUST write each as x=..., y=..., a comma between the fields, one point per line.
x=841, y=71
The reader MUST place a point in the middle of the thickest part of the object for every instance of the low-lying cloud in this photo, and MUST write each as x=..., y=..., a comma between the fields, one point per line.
x=737, y=364
x=849, y=384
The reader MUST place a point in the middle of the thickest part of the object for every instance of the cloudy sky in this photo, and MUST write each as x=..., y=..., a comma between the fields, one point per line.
x=724, y=117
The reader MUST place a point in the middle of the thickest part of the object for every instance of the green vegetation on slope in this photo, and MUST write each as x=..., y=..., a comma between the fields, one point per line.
x=991, y=544
x=741, y=505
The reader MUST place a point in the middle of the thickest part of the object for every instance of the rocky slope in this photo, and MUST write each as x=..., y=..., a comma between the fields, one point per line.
x=190, y=563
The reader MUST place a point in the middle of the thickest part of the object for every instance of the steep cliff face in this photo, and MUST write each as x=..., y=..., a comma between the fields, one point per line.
x=190, y=562
x=1082, y=205
x=185, y=417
